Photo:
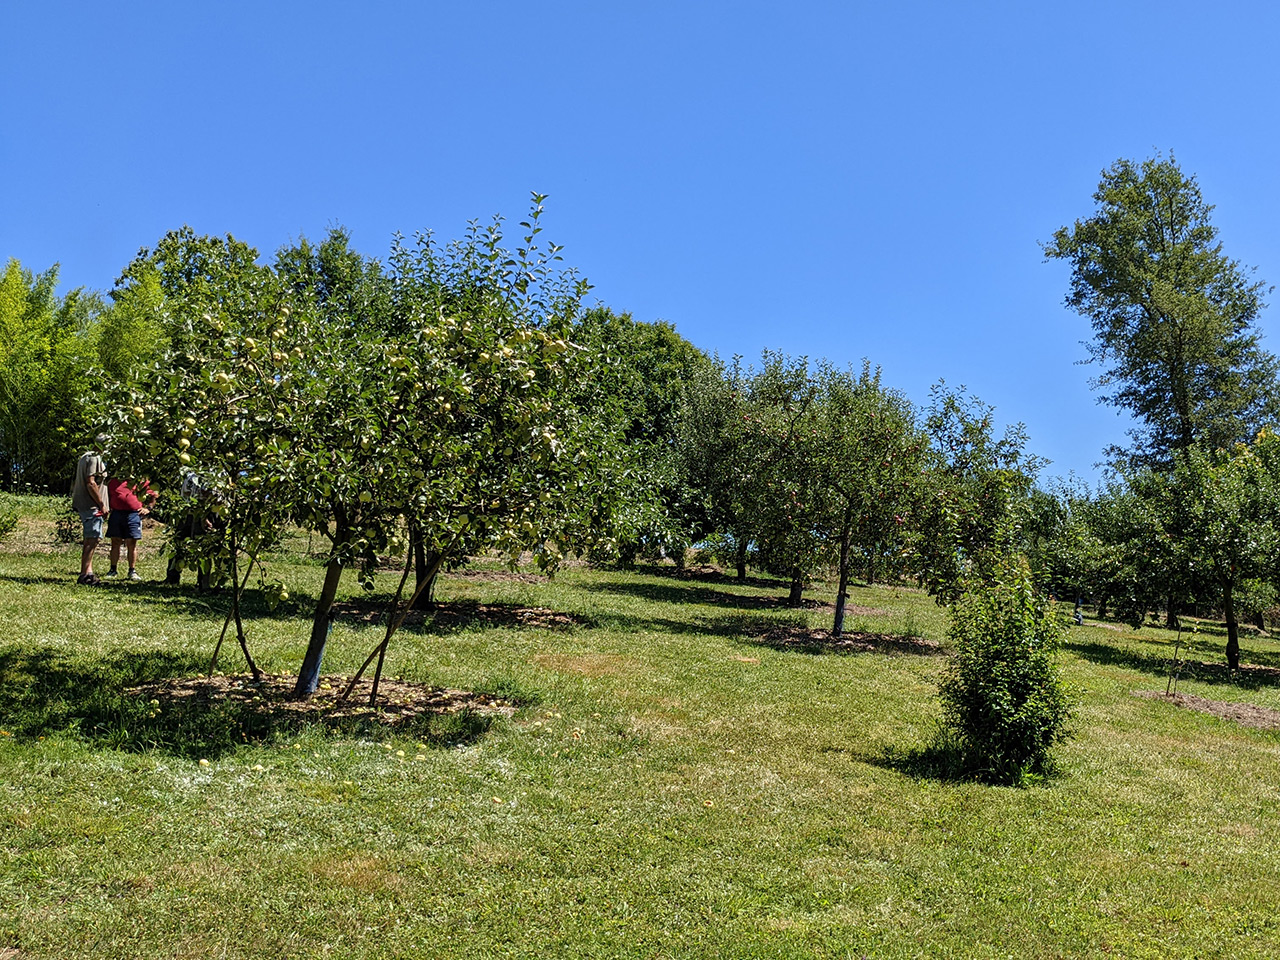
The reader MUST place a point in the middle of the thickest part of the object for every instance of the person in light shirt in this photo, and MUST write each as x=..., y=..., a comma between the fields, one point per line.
x=89, y=498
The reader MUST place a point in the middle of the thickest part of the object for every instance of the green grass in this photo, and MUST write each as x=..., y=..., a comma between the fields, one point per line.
x=670, y=788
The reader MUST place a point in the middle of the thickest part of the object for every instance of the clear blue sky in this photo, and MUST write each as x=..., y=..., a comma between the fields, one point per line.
x=841, y=180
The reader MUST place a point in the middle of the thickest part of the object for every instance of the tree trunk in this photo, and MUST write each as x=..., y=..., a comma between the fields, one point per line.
x=741, y=559
x=425, y=567
x=1233, y=629
x=678, y=556
x=237, y=590
x=842, y=592
x=1171, y=612
x=797, y=589
x=309, y=675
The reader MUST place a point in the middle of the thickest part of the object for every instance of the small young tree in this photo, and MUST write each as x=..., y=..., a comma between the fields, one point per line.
x=1232, y=525
x=1002, y=698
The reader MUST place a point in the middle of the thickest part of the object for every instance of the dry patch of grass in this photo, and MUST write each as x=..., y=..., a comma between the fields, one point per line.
x=355, y=872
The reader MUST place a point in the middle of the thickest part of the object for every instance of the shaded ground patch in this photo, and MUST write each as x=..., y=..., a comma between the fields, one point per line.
x=455, y=615
x=706, y=573
x=1249, y=676
x=1245, y=714
x=157, y=701
x=685, y=591
x=818, y=641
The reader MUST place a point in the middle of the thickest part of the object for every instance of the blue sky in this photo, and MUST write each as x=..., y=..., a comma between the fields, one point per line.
x=839, y=180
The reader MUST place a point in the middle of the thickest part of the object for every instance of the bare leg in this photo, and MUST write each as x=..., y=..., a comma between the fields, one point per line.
x=86, y=555
x=131, y=550
x=115, y=552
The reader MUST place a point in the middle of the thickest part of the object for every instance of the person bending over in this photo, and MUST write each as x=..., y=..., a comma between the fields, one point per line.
x=125, y=523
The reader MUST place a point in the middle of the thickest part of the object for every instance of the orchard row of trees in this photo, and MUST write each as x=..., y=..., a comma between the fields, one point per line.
x=460, y=398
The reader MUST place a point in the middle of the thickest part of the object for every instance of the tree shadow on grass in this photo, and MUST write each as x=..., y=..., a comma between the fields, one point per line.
x=682, y=592
x=1249, y=677
x=118, y=701
x=944, y=760
x=799, y=638
x=728, y=625
x=455, y=616
x=710, y=575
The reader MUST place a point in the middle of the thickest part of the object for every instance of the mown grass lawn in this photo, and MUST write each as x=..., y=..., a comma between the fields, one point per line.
x=671, y=786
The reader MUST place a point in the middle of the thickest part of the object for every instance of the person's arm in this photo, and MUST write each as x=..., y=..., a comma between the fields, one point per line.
x=94, y=489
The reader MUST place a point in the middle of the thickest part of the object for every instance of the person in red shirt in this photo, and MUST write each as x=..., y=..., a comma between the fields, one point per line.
x=124, y=524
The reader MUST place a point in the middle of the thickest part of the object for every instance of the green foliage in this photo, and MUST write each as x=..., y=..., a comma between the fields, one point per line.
x=440, y=398
x=46, y=351
x=131, y=334
x=973, y=493
x=1174, y=319
x=8, y=524
x=641, y=374
x=719, y=459
x=1002, y=698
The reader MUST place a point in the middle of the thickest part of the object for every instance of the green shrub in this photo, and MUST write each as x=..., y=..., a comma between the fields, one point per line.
x=1003, y=702
x=8, y=523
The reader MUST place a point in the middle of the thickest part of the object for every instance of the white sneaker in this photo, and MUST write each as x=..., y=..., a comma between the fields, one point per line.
x=133, y=575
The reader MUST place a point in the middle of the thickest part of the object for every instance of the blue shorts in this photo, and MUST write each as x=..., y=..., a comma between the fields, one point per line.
x=92, y=521
x=124, y=525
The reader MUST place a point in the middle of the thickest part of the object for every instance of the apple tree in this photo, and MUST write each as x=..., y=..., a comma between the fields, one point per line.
x=216, y=403
x=456, y=420
x=866, y=451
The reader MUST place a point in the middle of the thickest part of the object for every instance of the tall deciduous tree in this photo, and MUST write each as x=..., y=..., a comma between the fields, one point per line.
x=1174, y=319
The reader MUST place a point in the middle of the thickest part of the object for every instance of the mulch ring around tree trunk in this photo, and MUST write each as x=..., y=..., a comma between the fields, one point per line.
x=1245, y=714
x=399, y=700
x=810, y=640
